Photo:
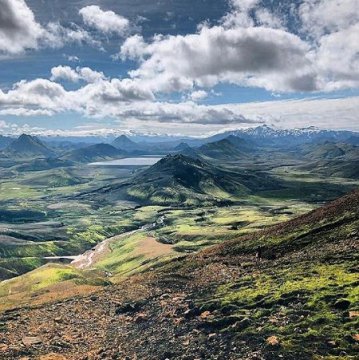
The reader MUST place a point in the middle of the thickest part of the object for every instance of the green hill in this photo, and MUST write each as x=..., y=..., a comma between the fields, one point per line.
x=330, y=150
x=332, y=159
x=182, y=180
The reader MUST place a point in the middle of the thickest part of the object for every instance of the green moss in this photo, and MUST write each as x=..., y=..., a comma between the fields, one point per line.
x=298, y=303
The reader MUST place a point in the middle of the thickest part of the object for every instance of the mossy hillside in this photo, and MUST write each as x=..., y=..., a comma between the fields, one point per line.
x=46, y=276
x=10, y=267
x=276, y=242
x=304, y=292
x=129, y=255
x=191, y=230
x=48, y=283
x=306, y=306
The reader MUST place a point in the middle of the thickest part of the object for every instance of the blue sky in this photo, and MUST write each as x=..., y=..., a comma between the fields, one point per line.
x=177, y=67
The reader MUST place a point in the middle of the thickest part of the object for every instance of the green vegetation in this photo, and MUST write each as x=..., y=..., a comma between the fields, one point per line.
x=134, y=254
x=52, y=207
x=303, y=305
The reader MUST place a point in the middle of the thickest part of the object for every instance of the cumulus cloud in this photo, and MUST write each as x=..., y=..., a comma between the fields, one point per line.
x=106, y=22
x=18, y=28
x=198, y=95
x=253, y=47
x=80, y=73
x=248, y=13
x=320, y=17
x=133, y=48
x=249, y=46
x=56, y=36
x=256, y=56
x=334, y=27
x=99, y=98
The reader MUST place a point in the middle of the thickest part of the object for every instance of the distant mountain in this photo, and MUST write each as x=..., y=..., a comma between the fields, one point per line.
x=330, y=150
x=27, y=146
x=232, y=147
x=5, y=141
x=124, y=143
x=182, y=180
x=182, y=146
x=268, y=136
x=93, y=153
x=354, y=140
x=222, y=149
x=332, y=159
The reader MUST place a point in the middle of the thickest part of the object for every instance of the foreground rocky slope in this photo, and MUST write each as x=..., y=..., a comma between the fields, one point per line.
x=300, y=302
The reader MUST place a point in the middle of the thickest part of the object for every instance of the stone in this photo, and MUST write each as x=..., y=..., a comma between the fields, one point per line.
x=52, y=356
x=127, y=308
x=141, y=317
x=242, y=324
x=272, y=340
x=3, y=347
x=31, y=340
x=205, y=314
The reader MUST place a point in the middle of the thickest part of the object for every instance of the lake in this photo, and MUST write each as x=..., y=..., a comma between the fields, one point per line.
x=131, y=161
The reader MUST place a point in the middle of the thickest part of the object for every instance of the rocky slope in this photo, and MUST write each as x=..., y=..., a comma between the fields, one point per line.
x=299, y=302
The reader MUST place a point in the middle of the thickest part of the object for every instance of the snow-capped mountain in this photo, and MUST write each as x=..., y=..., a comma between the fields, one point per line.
x=266, y=135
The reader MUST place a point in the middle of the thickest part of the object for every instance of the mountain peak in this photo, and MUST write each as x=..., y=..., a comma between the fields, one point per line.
x=28, y=146
x=124, y=143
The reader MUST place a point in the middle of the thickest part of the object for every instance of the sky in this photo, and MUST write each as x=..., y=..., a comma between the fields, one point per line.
x=178, y=67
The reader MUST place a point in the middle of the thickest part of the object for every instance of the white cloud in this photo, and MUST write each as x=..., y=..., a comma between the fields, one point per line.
x=250, y=46
x=18, y=28
x=248, y=13
x=341, y=113
x=26, y=112
x=337, y=59
x=198, y=95
x=57, y=36
x=19, y=31
x=255, y=56
x=100, y=97
x=253, y=48
x=72, y=58
x=106, y=22
x=320, y=17
x=64, y=72
x=80, y=73
x=133, y=48
x=334, y=27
